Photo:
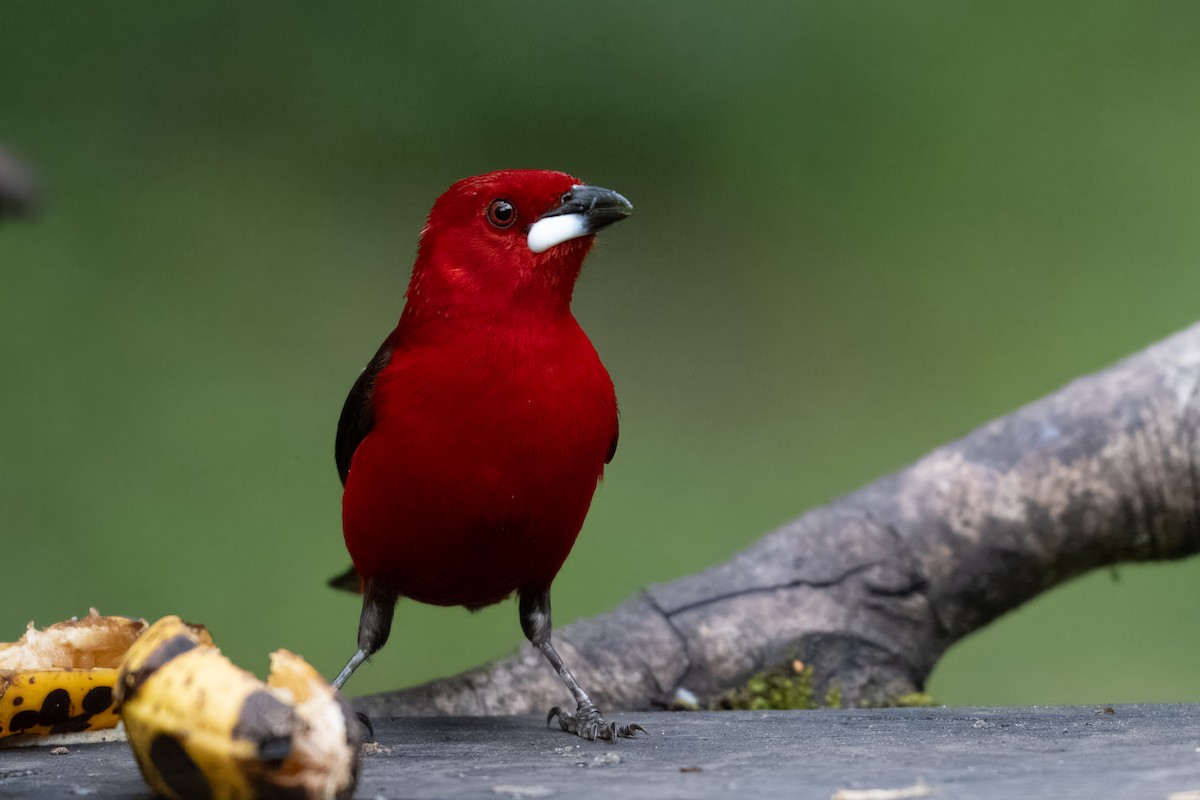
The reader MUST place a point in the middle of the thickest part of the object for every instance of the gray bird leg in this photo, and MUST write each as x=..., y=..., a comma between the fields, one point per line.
x=587, y=721
x=374, y=625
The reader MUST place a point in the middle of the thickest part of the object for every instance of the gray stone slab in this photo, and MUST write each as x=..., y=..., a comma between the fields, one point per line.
x=1137, y=752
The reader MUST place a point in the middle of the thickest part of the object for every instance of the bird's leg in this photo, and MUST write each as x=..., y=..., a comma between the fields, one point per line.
x=374, y=625
x=586, y=722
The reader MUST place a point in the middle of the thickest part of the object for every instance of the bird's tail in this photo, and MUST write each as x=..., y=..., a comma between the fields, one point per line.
x=348, y=581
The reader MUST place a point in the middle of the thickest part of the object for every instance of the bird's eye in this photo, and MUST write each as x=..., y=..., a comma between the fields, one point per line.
x=501, y=213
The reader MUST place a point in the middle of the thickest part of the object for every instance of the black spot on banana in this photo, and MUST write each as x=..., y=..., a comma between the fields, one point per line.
x=61, y=679
x=200, y=727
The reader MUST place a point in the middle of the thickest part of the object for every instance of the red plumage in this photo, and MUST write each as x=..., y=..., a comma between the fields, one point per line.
x=493, y=415
x=471, y=445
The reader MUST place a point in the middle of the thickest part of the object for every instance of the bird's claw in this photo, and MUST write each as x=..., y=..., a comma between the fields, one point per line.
x=588, y=723
x=369, y=729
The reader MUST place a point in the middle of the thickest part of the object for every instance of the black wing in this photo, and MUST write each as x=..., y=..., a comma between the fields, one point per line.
x=353, y=426
x=357, y=417
x=612, y=447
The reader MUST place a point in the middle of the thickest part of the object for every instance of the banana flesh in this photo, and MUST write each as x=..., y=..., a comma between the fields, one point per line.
x=61, y=680
x=200, y=727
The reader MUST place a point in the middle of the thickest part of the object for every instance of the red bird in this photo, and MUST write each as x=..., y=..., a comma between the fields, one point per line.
x=472, y=443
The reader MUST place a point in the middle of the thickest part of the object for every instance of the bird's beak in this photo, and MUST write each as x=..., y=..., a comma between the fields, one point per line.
x=583, y=211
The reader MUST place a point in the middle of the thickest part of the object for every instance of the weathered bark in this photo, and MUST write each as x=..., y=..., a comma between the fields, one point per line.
x=872, y=589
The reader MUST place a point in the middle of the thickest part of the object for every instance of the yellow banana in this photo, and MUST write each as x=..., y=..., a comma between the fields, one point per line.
x=201, y=727
x=61, y=679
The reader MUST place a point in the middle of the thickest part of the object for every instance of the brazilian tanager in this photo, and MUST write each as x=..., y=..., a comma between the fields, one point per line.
x=471, y=445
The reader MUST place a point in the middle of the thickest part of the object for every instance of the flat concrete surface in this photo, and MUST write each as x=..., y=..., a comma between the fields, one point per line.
x=1135, y=752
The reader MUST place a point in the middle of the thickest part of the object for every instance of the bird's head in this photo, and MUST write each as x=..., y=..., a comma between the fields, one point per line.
x=513, y=239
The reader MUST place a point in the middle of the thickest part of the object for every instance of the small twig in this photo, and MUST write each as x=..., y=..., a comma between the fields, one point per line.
x=18, y=187
x=918, y=789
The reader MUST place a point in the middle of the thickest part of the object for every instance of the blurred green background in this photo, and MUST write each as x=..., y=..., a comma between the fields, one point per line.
x=862, y=230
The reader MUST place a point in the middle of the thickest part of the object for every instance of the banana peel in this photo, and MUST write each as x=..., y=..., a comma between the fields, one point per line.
x=200, y=727
x=61, y=680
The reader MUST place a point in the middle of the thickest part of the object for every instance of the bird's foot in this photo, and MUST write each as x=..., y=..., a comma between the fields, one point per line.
x=588, y=723
x=367, y=734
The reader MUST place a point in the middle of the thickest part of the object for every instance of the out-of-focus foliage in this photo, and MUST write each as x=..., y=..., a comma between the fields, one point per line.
x=862, y=229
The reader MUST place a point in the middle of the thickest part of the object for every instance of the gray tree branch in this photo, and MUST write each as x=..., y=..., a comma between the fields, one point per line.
x=872, y=589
